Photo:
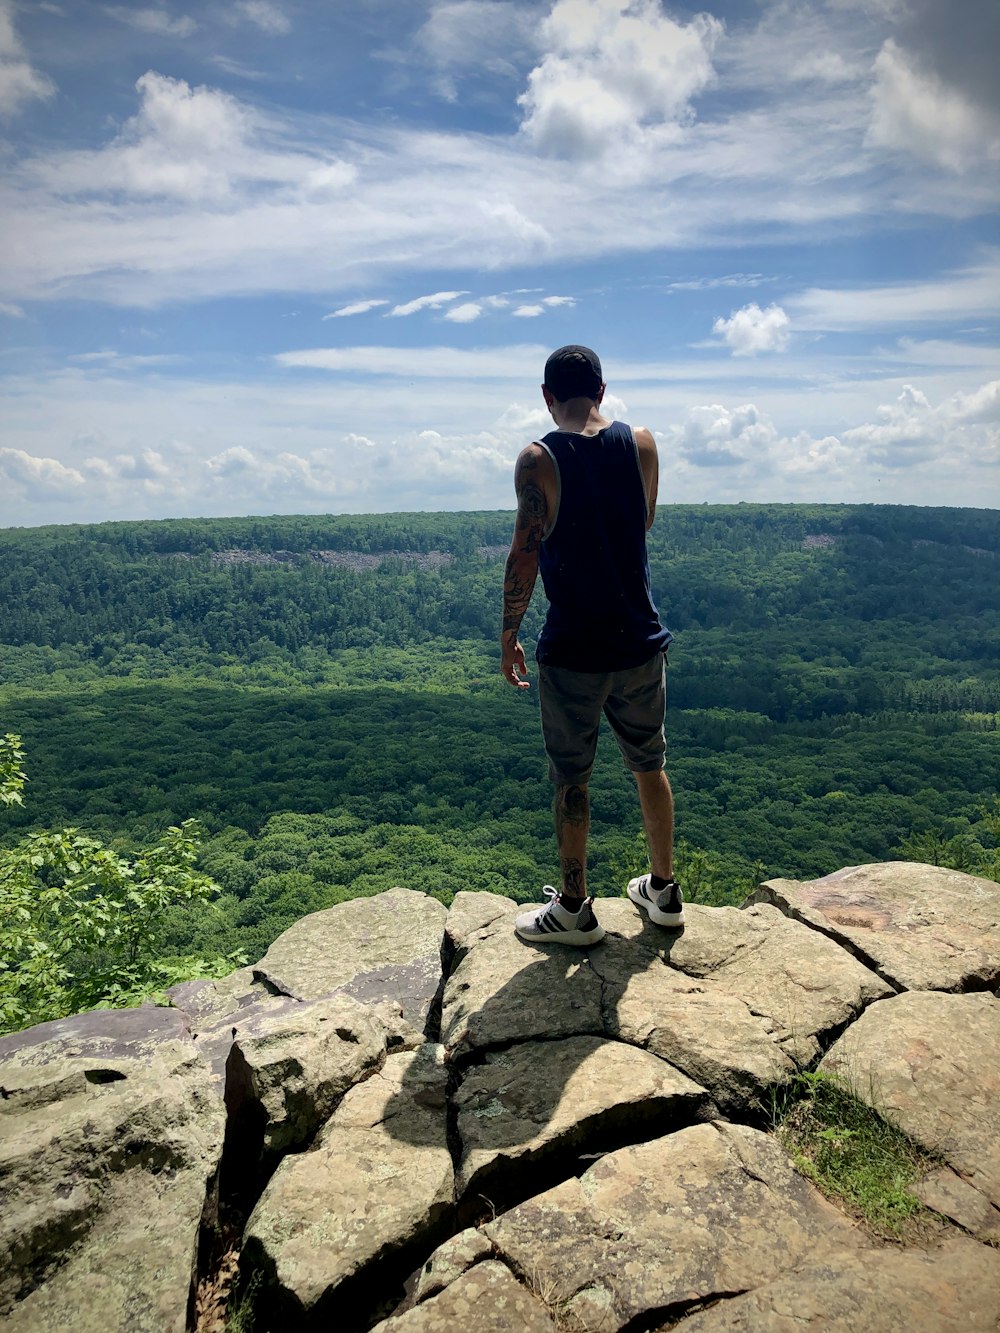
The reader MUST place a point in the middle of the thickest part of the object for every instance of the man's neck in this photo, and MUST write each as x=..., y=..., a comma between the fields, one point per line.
x=582, y=416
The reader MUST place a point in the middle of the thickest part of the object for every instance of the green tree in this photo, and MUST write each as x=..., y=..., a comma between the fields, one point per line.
x=80, y=922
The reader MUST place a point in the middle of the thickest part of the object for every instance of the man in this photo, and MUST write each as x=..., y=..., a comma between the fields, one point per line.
x=586, y=496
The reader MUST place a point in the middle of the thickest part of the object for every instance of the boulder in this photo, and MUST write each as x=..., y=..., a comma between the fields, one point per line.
x=449, y=1261
x=541, y=1102
x=487, y=1298
x=738, y=1001
x=955, y=1287
x=110, y=1138
x=921, y=927
x=337, y=1228
x=387, y=947
x=290, y=1064
x=931, y=1064
x=652, y=1229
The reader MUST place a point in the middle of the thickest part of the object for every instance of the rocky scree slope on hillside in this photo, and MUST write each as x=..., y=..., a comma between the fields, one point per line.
x=412, y=1116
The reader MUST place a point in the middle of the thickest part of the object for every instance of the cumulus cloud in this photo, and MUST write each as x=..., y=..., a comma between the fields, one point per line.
x=157, y=21
x=528, y=311
x=558, y=300
x=913, y=110
x=464, y=313
x=355, y=308
x=39, y=478
x=751, y=330
x=19, y=81
x=964, y=428
x=194, y=144
x=614, y=73
x=432, y=302
x=715, y=436
x=270, y=18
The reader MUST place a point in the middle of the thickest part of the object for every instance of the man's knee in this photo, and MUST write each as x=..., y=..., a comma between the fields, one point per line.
x=573, y=802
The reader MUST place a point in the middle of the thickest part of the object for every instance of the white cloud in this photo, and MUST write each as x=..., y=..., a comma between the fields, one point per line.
x=960, y=295
x=196, y=145
x=270, y=18
x=12, y=311
x=751, y=330
x=19, y=82
x=458, y=40
x=716, y=436
x=464, y=313
x=359, y=441
x=39, y=478
x=558, y=300
x=727, y=280
x=433, y=302
x=356, y=308
x=615, y=73
x=963, y=429
x=915, y=111
x=157, y=21
x=528, y=311
x=509, y=363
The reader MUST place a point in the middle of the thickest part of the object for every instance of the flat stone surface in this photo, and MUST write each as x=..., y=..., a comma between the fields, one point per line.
x=922, y=927
x=738, y=1001
x=954, y=1289
x=502, y=990
x=696, y=1215
x=386, y=947
x=931, y=1064
x=541, y=1099
x=110, y=1137
x=948, y=1194
x=378, y=1185
x=486, y=1299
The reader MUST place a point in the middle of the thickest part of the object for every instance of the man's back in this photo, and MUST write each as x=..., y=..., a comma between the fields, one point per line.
x=593, y=554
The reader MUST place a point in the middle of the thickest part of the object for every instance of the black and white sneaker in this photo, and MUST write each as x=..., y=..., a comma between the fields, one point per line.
x=552, y=924
x=665, y=908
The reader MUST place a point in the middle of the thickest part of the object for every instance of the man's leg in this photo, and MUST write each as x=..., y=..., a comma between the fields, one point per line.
x=657, y=802
x=572, y=811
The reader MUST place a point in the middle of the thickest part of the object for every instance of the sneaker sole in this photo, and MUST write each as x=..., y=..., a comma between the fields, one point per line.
x=659, y=918
x=578, y=938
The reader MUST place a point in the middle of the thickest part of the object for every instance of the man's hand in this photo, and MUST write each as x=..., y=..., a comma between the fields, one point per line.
x=513, y=666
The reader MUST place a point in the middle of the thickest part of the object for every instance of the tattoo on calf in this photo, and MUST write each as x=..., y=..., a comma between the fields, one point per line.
x=574, y=879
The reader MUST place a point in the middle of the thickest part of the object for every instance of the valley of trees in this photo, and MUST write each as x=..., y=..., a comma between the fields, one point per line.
x=322, y=694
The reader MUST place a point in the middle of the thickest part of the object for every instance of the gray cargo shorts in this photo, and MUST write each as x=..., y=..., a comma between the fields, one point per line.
x=571, y=704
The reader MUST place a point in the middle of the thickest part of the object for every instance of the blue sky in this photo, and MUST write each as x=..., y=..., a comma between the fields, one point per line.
x=259, y=256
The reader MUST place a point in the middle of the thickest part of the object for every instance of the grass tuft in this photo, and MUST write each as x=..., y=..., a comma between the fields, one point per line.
x=853, y=1155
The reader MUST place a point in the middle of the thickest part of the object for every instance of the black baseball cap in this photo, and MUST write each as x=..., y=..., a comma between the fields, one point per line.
x=573, y=372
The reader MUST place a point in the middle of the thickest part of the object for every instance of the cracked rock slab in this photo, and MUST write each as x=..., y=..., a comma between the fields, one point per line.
x=378, y=1184
x=293, y=1062
x=386, y=947
x=739, y=1001
x=922, y=927
x=947, y=1290
x=502, y=989
x=487, y=1298
x=951, y=1196
x=110, y=1139
x=931, y=1064
x=652, y=1229
x=542, y=1099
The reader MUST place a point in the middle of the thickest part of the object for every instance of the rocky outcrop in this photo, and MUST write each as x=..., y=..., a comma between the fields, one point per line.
x=429, y=1123
x=110, y=1139
x=919, y=927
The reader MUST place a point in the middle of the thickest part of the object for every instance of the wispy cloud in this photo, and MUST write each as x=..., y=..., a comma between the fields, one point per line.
x=157, y=21
x=432, y=302
x=960, y=295
x=356, y=308
x=464, y=313
x=20, y=82
x=270, y=18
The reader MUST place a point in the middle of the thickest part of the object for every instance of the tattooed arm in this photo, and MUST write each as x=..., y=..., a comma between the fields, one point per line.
x=534, y=484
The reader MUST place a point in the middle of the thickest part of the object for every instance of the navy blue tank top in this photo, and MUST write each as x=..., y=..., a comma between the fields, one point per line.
x=593, y=561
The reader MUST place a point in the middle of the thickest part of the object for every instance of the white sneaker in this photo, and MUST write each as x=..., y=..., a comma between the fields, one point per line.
x=552, y=924
x=665, y=908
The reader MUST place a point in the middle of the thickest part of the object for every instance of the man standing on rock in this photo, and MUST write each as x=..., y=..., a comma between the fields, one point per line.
x=586, y=496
